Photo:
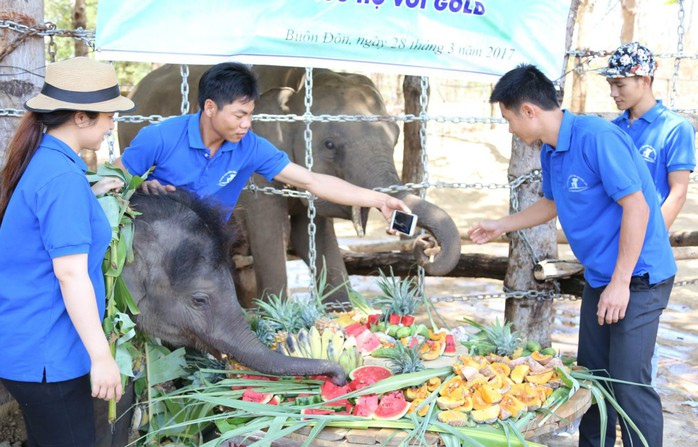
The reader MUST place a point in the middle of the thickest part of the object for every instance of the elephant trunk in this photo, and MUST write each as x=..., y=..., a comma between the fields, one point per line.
x=246, y=348
x=437, y=222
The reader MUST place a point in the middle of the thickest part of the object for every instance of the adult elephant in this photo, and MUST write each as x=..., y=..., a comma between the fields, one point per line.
x=359, y=151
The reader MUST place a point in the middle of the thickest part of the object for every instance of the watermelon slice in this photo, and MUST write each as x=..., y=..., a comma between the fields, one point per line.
x=251, y=395
x=366, y=405
x=367, y=375
x=367, y=342
x=391, y=406
x=355, y=329
x=329, y=390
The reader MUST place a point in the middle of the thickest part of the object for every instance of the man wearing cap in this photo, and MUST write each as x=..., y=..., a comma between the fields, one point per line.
x=665, y=139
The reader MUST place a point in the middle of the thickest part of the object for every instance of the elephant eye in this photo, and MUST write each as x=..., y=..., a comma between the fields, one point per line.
x=329, y=144
x=199, y=299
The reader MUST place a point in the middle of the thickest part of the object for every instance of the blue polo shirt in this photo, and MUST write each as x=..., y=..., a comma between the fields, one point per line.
x=666, y=142
x=52, y=213
x=593, y=165
x=176, y=149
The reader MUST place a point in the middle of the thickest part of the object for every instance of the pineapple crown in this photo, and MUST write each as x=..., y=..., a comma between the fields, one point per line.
x=290, y=315
x=403, y=360
x=400, y=297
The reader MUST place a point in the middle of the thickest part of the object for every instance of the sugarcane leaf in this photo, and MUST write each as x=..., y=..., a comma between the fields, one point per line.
x=112, y=209
x=319, y=426
x=124, y=298
x=164, y=365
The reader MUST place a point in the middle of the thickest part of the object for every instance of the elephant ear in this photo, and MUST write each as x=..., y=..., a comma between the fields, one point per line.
x=276, y=102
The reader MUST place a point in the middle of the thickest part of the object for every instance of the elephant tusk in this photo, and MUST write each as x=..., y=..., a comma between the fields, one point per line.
x=356, y=219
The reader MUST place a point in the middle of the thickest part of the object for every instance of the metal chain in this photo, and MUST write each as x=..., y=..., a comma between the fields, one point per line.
x=52, y=49
x=49, y=29
x=423, y=104
x=514, y=184
x=538, y=295
x=312, y=212
x=677, y=60
x=110, y=144
x=184, y=89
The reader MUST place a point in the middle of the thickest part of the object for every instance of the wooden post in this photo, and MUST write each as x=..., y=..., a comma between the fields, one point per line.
x=412, y=167
x=20, y=53
x=532, y=318
x=24, y=53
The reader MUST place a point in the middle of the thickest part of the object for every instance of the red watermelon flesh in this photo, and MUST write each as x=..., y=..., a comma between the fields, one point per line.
x=329, y=390
x=355, y=329
x=391, y=406
x=367, y=342
x=366, y=405
x=364, y=376
x=255, y=396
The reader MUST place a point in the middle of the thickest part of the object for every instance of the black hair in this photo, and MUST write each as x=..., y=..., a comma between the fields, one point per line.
x=228, y=82
x=24, y=144
x=525, y=83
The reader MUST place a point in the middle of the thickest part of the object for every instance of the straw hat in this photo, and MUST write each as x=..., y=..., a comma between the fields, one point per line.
x=80, y=84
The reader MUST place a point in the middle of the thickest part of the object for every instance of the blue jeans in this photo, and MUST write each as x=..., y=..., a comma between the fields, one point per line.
x=57, y=414
x=624, y=351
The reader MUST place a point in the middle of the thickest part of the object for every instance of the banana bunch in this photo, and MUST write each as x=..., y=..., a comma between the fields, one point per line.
x=326, y=346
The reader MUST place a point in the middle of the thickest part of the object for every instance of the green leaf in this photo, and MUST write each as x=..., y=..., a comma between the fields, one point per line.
x=124, y=298
x=164, y=365
x=112, y=209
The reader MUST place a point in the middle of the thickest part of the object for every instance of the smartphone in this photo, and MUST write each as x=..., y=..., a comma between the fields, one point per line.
x=404, y=223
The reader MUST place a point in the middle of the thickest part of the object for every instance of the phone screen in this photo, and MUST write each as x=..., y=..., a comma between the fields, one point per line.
x=403, y=222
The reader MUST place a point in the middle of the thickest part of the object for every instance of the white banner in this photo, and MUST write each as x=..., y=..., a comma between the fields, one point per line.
x=449, y=38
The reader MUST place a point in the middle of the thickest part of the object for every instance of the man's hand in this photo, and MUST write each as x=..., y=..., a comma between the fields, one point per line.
x=485, y=231
x=613, y=303
x=106, y=184
x=154, y=187
x=391, y=204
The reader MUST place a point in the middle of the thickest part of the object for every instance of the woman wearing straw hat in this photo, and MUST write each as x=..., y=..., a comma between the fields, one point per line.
x=53, y=236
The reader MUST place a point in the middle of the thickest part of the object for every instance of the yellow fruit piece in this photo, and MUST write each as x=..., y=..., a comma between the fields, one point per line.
x=453, y=418
x=451, y=385
x=486, y=416
x=412, y=394
x=541, y=358
x=413, y=407
x=539, y=379
x=432, y=351
x=447, y=403
x=466, y=406
x=519, y=373
x=511, y=407
x=490, y=395
x=433, y=383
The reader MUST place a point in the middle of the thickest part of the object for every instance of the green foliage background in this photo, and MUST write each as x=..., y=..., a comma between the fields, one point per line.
x=60, y=12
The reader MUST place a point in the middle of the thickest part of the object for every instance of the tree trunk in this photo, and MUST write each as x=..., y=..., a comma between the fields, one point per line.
x=579, y=77
x=627, y=31
x=412, y=167
x=20, y=85
x=534, y=319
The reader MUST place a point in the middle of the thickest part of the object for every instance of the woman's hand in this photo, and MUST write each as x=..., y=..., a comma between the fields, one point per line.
x=106, y=379
x=107, y=184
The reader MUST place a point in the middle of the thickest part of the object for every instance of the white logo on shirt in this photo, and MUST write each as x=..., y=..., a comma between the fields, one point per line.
x=576, y=184
x=227, y=178
x=649, y=154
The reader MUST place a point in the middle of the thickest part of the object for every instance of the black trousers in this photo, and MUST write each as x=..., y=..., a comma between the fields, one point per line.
x=623, y=351
x=58, y=414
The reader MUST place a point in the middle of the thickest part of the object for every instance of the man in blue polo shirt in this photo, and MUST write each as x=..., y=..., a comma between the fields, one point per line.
x=596, y=183
x=213, y=153
x=665, y=139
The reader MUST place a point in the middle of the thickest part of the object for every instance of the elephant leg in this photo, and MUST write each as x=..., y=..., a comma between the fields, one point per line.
x=266, y=220
x=326, y=247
